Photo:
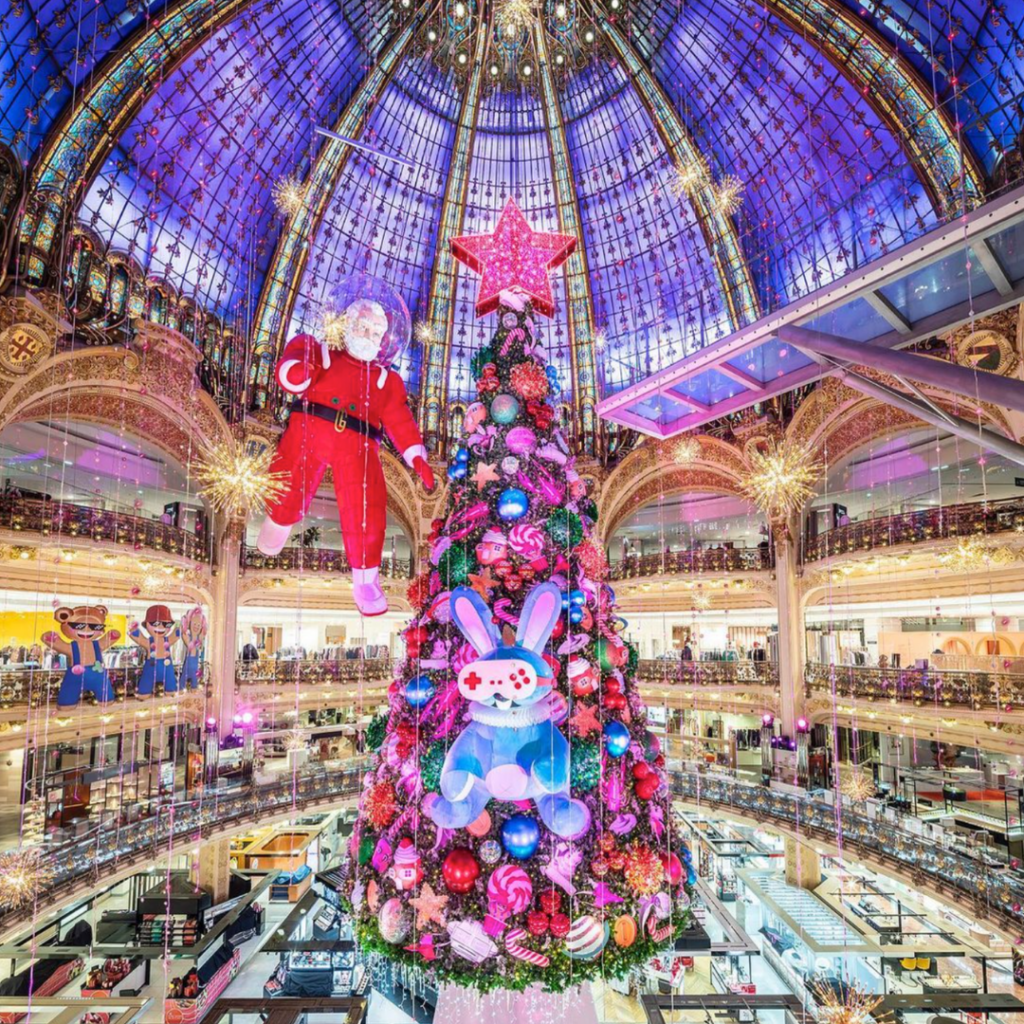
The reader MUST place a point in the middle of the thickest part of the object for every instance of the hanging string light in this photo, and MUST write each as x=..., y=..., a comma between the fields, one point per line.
x=781, y=478
x=237, y=481
x=23, y=875
x=685, y=449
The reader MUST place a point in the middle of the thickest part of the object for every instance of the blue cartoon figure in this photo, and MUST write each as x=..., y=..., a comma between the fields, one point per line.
x=83, y=642
x=156, y=636
x=193, y=633
x=510, y=750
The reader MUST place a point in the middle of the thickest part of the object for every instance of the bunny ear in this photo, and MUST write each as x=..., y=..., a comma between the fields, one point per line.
x=473, y=617
x=540, y=612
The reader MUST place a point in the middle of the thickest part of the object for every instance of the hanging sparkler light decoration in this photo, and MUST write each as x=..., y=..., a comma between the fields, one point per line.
x=854, y=1005
x=513, y=17
x=858, y=786
x=781, y=478
x=239, y=482
x=691, y=175
x=423, y=331
x=685, y=449
x=23, y=875
x=290, y=195
x=333, y=326
x=728, y=194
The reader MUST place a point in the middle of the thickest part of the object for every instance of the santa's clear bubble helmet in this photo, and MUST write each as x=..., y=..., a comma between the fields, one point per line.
x=343, y=302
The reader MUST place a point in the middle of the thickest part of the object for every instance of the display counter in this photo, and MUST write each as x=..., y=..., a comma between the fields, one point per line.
x=115, y=976
x=317, y=973
x=291, y=886
x=201, y=987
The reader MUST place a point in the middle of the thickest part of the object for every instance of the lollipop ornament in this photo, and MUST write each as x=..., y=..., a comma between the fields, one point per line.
x=346, y=397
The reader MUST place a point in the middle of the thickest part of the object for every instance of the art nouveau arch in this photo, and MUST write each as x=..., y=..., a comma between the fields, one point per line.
x=650, y=472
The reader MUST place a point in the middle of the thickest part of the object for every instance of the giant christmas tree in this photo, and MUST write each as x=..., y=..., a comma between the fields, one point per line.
x=516, y=825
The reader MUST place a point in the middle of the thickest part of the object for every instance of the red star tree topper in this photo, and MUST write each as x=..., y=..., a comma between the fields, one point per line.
x=514, y=256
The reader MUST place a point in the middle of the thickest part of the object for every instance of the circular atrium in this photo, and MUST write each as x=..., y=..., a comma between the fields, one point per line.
x=512, y=511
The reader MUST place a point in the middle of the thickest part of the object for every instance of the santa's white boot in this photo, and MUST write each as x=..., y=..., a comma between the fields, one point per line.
x=369, y=598
x=273, y=536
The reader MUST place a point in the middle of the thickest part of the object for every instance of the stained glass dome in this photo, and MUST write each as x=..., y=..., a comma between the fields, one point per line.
x=717, y=158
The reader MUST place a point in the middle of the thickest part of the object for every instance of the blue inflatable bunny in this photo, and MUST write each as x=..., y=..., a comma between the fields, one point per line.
x=510, y=750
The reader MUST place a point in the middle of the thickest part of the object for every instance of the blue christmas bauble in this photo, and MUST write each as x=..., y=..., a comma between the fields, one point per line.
x=504, y=409
x=575, y=615
x=616, y=739
x=462, y=455
x=419, y=691
x=513, y=503
x=577, y=598
x=457, y=470
x=520, y=836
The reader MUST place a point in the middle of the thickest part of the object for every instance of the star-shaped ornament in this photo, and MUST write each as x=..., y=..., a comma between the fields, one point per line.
x=483, y=583
x=584, y=721
x=514, y=256
x=429, y=906
x=485, y=473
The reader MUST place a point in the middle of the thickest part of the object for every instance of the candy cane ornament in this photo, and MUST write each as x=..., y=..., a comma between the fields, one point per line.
x=514, y=949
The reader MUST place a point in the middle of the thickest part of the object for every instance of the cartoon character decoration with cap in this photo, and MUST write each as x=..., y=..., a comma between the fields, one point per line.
x=156, y=636
x=193, y=633
x=510, y=750
x=347, y=394
x=82, y=640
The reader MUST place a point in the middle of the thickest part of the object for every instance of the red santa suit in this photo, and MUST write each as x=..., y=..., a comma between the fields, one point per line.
x=345, y=404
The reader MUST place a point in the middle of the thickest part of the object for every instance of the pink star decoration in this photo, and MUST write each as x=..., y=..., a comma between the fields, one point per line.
x=514, y=256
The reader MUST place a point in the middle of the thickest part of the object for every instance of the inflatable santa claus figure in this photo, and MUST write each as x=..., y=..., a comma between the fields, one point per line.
x=347, y=395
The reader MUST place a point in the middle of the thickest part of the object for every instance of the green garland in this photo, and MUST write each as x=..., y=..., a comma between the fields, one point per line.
x=377, y=730
x=563, y=973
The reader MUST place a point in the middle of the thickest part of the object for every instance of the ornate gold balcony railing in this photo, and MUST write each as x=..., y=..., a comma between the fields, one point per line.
x=27, y=687
x=670, y=563
x=675, y=672
x=919, y=527
x=918, y=687
x=326, y=560
x=313, y=672
x=976, y=878
x=61, y=521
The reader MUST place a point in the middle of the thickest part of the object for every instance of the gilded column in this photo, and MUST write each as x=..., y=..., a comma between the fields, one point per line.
x=224, y=624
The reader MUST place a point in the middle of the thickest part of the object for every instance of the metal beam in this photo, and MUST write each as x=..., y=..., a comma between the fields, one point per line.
x=998, y=215
x=719, y=231
x=993, y=268
x=942, y=161
x=577, y=273
x=436, y=359
x=888, y=312
x=972, y=384
x=281, y=285
x=973, y=432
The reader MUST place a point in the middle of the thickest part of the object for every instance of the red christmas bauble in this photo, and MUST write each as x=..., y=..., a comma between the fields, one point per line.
x=612, y=685
x=537, y=922
x=560, y=925
x=599, y=867
x=615, y=701
x=641, y=770
x=559, y=628
x=461, y=870
x=673, y=868
x=647, y=787
x=607, y=842
x=550, y=901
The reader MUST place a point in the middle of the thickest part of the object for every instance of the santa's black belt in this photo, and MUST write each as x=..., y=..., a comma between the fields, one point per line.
x=341, y=419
